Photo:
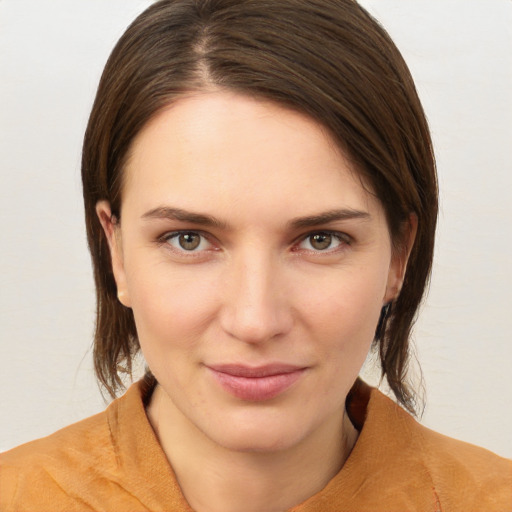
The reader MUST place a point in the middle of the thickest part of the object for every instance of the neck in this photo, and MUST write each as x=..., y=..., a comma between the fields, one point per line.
x=215, y=479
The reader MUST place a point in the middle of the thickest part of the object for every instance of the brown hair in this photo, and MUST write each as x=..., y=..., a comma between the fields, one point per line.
x=328, y=59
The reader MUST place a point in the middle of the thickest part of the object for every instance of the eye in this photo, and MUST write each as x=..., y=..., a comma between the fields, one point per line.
x=324, y=241
x=187, y=241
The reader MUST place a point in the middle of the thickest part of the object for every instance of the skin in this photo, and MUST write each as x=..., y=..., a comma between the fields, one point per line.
x=258, y=289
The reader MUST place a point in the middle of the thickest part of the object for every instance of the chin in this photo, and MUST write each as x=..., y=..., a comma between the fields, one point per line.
x=258, y=433
x=257, y=442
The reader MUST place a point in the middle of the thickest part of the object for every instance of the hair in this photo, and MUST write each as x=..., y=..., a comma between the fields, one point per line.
x=328, y=59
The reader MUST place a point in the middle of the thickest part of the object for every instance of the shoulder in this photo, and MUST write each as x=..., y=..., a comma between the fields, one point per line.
x=55, y=464
x=101, y=463
x=465, y=473
x=79, y=439
x=463, y=477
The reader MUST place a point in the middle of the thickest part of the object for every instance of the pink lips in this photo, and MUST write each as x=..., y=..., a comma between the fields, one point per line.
x=256, y=383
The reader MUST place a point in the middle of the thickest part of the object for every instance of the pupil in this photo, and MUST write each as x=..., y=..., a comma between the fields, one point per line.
x=321, y=241
x=189, y=241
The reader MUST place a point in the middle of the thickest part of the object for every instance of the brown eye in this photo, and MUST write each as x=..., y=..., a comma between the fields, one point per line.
x=189, y=241
x=324, y=241
x=320, y=241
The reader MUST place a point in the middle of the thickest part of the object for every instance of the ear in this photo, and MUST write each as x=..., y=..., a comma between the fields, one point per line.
x=112, y=231
x=400, y=258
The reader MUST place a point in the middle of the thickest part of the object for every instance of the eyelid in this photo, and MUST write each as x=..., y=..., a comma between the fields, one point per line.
x=169, y=235
x=344, y=239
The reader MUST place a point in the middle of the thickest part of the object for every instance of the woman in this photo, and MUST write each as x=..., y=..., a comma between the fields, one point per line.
x=261, y=203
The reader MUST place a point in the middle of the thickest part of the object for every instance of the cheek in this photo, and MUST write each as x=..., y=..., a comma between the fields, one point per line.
x=349, y=297
x=342, y=313
x=170, y=306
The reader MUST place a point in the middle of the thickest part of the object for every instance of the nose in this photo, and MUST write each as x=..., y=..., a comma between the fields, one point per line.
x=256, y=307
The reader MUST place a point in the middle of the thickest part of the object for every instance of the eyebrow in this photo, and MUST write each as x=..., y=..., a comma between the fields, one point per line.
x=327, y=217
x=169, y=213
x=202, y=219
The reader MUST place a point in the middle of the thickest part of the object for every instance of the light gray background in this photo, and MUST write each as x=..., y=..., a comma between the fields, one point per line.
x=51, y=56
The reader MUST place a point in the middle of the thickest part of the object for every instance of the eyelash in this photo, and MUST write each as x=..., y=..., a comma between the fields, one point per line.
x=343, y=239
x=167, y=237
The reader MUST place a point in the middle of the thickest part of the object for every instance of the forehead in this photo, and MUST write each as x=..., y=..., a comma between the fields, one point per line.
x=211, y=150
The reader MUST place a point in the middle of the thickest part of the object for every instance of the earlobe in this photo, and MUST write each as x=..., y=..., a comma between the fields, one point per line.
x=400, y=259
x=113, y=235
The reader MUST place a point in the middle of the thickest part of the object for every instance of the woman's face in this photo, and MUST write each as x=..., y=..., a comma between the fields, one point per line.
x=256, y=265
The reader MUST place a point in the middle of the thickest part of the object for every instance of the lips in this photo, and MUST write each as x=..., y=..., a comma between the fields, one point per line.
x=256, y=383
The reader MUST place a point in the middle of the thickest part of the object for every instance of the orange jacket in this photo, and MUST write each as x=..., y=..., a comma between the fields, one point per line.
x=113, y=462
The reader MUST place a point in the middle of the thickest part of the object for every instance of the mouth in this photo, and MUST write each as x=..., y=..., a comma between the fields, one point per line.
x=256, y=384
